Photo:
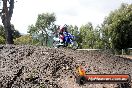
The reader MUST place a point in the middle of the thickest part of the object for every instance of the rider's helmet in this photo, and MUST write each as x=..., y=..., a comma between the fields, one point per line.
x=63, y=29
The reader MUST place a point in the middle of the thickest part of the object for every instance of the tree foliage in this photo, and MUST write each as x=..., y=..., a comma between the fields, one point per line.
x=2, y=40
x=86, y=34
x=90, y=37
x=43, y=26
x=2, y=31
x=25, y=39
x=74, y=30
x=117, y=28
x=15, y=33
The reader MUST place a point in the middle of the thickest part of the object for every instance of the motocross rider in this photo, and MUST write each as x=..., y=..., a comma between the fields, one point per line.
x=62, y=35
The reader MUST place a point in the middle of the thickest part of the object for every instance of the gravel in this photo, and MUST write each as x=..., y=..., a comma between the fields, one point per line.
x=41, y=67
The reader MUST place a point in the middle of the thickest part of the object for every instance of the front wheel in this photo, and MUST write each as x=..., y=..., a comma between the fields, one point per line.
x=74, y=45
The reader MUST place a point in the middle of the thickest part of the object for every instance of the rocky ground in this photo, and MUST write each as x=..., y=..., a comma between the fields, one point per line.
x=40, y=67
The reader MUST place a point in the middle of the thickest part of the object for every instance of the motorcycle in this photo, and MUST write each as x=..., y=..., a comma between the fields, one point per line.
x=69, y=41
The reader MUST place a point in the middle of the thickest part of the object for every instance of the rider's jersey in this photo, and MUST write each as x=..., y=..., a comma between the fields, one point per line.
x=65, y=33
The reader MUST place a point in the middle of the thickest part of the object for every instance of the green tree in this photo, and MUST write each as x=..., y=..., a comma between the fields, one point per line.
x=87, y=35
x=6, y=14
x=90, y=37
x=117, y=28
x=44, y=24
x=2, y=40
x=2, y=35
x=2, y=32
x=105, y=36
x=97, y=37
x=15, y=33
x=70, y=29
x=74, y=30
x=32, y=30
x=24, y=39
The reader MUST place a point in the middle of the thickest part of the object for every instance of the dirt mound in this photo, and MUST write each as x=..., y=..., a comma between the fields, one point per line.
x=41, y=67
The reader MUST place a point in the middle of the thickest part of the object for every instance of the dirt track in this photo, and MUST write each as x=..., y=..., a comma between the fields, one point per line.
x=41, y=67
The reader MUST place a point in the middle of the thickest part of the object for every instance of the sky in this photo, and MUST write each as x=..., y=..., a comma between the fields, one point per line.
x=74, y=12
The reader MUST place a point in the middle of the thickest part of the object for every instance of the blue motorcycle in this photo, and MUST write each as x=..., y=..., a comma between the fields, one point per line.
x=69, y=41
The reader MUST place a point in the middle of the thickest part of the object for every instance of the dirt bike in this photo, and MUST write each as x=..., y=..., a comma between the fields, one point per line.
x=69, y=41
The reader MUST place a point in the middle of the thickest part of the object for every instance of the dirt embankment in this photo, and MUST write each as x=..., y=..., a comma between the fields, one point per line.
x=41, y=67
